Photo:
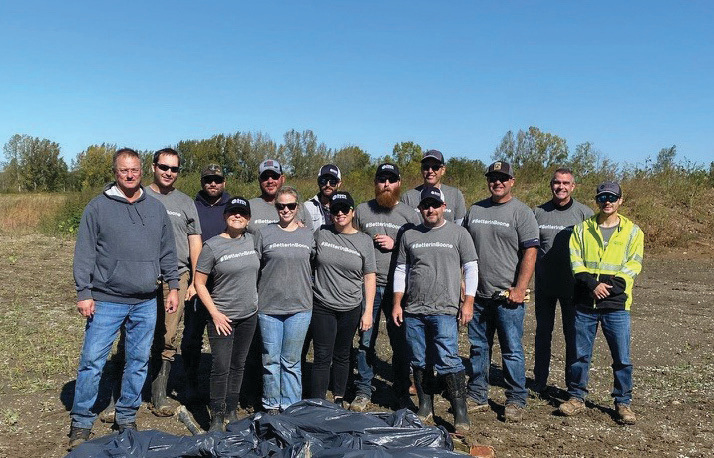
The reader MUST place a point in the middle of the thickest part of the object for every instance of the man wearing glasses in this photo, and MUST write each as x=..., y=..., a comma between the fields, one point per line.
x=271, y=179
x=187, y=234
x=433, y=169
x=505, y=233
x=210, y=203
x=384, y=219
x=329, y=180
x=606, y=256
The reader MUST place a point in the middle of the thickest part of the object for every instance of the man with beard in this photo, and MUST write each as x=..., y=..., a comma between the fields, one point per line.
x=329, y=180
x=383, y=219
x=210, y=203
x=433, y=169
x=187, y=233
x=263, y=212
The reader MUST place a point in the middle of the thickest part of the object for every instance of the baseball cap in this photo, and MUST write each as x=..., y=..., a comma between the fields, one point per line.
x=387, y=169
x=341, y=200
x=330, y=169
x=608, y=187
x=433, y=154
x=500, y=167
x=270, y=165
x=237, y=203
x=212, y=170
x=431, y=193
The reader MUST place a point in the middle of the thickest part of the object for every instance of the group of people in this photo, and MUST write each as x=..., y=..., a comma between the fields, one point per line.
x=282, y=273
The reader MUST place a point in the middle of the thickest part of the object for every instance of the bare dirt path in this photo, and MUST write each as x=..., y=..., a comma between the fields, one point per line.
x=672, y=348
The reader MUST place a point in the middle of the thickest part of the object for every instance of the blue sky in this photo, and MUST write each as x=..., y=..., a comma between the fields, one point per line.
x=630, y=77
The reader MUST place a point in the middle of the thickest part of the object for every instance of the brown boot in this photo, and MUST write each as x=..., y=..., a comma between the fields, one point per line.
x=625, y=414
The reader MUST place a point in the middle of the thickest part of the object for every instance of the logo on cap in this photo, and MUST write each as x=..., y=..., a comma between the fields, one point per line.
x=496, y=166
x=239, y=202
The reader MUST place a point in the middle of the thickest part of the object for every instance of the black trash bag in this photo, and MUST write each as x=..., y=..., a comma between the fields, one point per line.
x=312, y=427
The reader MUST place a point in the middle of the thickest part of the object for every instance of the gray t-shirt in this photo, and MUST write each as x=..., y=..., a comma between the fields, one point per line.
x=435, y=257
x=454, y=198
x=184, y=220
x=233, y=266
x=285, y=285
x=263, y=213
x=553, y=274
x=500, y=232
x=341, y=261
x=373, y=219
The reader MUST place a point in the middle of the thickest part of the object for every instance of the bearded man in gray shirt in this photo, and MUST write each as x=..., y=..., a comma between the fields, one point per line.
x=505, y=234
x=431, y=258
x=383, y=219
x=554, y=280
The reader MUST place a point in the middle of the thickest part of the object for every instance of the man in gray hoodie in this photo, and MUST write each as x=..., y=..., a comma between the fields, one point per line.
x=124, y=245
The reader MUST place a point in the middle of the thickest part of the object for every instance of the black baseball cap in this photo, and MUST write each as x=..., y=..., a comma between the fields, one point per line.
x=341, y=200
x=331, y=170
x=431, y=193
x=387, y=169
x=500, y=167
x=433, y=154
x=608, y=187
x=237, y=203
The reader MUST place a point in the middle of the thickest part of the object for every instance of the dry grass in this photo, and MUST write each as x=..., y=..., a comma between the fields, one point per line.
x=22, y=214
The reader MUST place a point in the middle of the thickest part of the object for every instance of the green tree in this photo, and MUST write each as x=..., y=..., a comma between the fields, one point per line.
x=405, y=153
x=351, y=159
x=36, y=163
x=665, y=160
x=532, y=149
x=303, y=154
x=94, y=165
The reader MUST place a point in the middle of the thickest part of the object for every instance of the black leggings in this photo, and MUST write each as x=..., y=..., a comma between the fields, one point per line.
x=228, y=362
x=332, y=334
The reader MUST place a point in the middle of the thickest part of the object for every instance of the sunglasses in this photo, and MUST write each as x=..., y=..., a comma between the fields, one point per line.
x=343, y=209
x=602, y=198
x=430, y=204
x=213, y=179
x=325, y=181
x=166, y=168
x=495, y=178
x=434, y=168
x=383, y=179
x=268, y=175
x=291, y=206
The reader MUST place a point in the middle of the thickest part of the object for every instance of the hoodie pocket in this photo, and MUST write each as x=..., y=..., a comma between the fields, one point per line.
x=131, y=278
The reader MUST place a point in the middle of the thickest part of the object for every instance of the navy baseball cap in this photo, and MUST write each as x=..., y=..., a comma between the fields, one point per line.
x=237, y=203
x=608, y=187
x=431, y=193
x=387, y=169
x=341, y=200
x=433, y=154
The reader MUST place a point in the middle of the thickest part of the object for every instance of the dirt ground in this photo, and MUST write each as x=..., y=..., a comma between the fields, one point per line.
x=672, y=351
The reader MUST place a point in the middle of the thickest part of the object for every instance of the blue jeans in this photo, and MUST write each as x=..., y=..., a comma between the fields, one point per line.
x=545, y=305
x=616, y=328
x=507, y=321
x=441, y=334
x=366, y=354
x=283, y=336
x=99, y=335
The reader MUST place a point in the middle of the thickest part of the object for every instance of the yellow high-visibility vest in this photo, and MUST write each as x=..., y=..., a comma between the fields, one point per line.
x=622, y=258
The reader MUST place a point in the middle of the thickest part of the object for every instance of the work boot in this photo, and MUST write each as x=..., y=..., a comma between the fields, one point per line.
x=625, y=414
x=423, y=381
x=456, y=388
x=77, y=436
x=124, y=426
x=360, y=403
x=513, y=413
x=572, y=406
x=159, y=404
x=218, y=416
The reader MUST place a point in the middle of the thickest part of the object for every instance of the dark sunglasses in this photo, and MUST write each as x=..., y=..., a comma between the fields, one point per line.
x=500, y=177
x=602, y=198
x=341, y=208
x=322, y=181
x=383, y=179
x=291, y=206
x=430, y=204
x=213, y=179
x=435, y=168
x=267, y=175
x=166, y=168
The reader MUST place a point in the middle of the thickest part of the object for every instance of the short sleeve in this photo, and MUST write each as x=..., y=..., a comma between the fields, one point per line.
x=206, y=260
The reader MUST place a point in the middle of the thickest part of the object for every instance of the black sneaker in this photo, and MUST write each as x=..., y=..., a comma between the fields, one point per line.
x=77, y=436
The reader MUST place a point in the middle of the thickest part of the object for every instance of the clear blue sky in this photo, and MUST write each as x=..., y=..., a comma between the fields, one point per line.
x=631, y=77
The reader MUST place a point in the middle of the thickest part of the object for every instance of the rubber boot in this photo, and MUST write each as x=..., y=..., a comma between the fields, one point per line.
x=423, y=382
x=456, y=388
x=159, y=404
x=217, y=418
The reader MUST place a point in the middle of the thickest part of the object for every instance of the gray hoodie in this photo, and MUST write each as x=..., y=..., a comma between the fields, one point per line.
x=122, y=248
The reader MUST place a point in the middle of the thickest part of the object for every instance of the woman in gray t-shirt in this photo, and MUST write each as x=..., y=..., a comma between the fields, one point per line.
x=284, y=301
x=232, y=262
x=344, y=266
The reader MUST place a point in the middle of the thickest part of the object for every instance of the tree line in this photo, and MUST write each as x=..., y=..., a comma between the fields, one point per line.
x=34, y=164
